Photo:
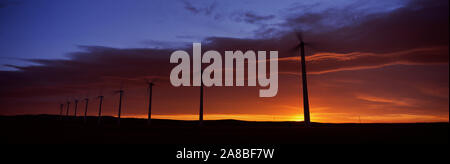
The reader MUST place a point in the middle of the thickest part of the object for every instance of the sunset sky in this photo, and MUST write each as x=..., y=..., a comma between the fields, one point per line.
x=367, y=60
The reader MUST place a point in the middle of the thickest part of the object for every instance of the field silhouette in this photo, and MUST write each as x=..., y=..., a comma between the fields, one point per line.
x=54, y=129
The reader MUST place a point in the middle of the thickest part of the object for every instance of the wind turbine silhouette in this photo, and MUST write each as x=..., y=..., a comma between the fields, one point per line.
x=120, y=91
x=61, y=109
x=76, y=106
x=150, y=92
x=86, y=109
x=304, y=79
x=67, y=110
x=99, y=121
x=201, y=98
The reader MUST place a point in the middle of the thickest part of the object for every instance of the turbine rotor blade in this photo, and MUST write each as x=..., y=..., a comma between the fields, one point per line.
x=299, y=35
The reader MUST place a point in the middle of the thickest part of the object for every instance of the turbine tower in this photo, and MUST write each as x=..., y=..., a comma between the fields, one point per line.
x=61, y=109
x=86, y=110
x=100, y=110
x=120, y=106
x=150, y=92
x=76, y=106
x=67, y=110
x=201, y=99
x=304, y=81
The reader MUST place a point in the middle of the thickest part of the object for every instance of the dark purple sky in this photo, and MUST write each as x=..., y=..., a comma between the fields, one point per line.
x=50, y=29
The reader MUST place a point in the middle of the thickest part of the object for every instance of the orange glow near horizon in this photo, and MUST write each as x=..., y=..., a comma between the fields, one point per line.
x=382, y=95
x=319, y=117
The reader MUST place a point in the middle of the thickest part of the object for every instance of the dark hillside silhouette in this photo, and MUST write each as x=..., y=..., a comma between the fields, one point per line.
x=48, y=129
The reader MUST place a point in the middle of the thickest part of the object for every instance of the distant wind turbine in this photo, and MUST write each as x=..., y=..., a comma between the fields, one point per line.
x=76, y=106
x=201, y=99
x=99, y=121
x=61, y=109
x=304, y=81
x=67, y=110
x=86, y=109
x=120, y=105
x=150, y=93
